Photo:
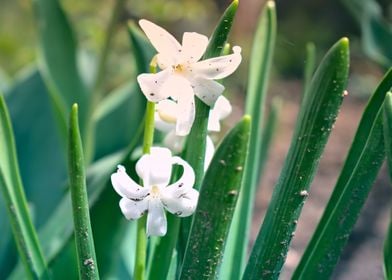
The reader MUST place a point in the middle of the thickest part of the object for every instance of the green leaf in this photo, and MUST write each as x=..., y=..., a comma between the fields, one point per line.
x=195, y=149
x=87, y=262
x=310, y=65
x=32, y=117
x=218, y=197
x=37, y=140
x=388, y=148
x=18, y=213
x=142, y=49
x=351, y=190
x=376, y=31
x=261, y=60
x=124, y=107
x=317, y=114
x=5, y=81
x=58, y=62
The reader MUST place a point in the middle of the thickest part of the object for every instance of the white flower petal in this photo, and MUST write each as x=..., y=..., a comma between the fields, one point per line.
x=167, y=110
x=126, y=187
x=156, y=218
x=220, y=111
x=193, y=47
x=218, y=67
x=155, y=168
x=176, y=86
x=184, y=184
x=151, y=85
x=183, y=205
x=162, y=125
x=210, y=150
x=206, y=90
x=165, y=44
x=179, y=88
x=133, y=210
x=174, y=142
x=186, y=115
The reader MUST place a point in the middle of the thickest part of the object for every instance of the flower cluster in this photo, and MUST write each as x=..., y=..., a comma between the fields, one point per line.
x=155, y=170
x=182, y=77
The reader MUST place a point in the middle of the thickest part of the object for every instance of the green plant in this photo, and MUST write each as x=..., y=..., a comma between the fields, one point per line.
x=212, y=243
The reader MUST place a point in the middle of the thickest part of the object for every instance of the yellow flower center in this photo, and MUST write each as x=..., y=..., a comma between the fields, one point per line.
x=154, y=191
x=179, y=68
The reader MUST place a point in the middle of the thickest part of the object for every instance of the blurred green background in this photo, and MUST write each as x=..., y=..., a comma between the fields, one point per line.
x=321, y=22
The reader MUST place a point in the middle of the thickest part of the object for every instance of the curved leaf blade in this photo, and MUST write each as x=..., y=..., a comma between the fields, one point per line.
x=260, y=65
x=351, y=190
x=388, y=148
x=12, y=189
x=87, y=262
x=216, y=205
x=317, y=114
x=58, y=61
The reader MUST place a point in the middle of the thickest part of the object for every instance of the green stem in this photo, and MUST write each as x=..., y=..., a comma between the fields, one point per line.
x=141, y=240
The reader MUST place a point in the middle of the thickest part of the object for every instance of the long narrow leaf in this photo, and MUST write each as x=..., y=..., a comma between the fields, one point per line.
x=388, y=148
x=310, y=65
x=260, y=65
x=352, y=188
x=58, y=61
x=215, y=209
x=87, y=262
x=15, y=199
x=317, y=114
x=196, y=146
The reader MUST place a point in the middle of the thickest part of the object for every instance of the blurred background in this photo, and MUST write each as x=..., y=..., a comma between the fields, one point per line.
x=319, y=21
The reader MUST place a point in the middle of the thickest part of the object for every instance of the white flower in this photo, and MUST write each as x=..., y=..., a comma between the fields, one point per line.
x=155, y=170
x=183, y=75
x=166, y=113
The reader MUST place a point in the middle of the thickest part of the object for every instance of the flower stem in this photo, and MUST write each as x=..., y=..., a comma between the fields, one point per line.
x=141, y=239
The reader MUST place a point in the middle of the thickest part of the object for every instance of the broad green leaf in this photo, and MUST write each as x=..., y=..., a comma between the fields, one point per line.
x=351, y=190
x=87, y=262
x=5, y=81
x=32, y=117
x=55, y=235
x=317, y=114
x=376, y=31
x=108, y=224
x=37, y=140
x=388, y=148
x=58, y=61
x=124, y=107
x=218, y=196
x=7, y=248
x=260, y=64
x=15, y=200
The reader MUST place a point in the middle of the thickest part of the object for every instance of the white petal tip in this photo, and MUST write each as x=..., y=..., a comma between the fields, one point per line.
x=120, y=168
x=143, y=22
x=237, y=49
